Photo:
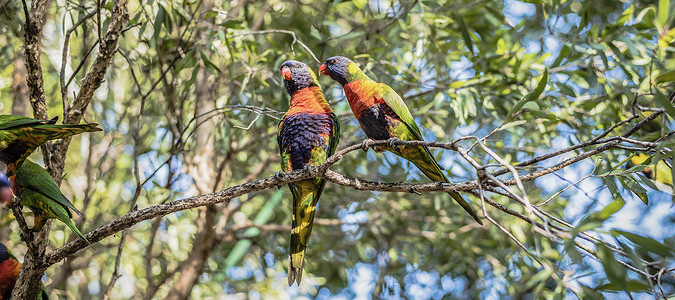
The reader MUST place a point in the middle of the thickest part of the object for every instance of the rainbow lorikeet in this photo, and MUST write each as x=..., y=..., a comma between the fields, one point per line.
x=383, y=115
x=9, y=272
x=308, y=134
x=20, y=136
x=38, y=190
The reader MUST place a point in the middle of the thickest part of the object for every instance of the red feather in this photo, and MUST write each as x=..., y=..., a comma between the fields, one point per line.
x=362, y=94
x=9, y=271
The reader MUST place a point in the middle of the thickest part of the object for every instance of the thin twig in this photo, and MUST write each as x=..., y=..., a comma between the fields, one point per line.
x=295, y=40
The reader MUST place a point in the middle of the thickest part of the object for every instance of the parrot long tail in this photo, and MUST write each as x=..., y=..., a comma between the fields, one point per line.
x=72, y=227
x=65, y=130
x=304, y=207
x=426, y=163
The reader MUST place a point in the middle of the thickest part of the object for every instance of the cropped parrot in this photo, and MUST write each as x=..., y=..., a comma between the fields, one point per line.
x=9, y=272
x=383, y=115
x=20, y=136
x=308, y=134
x=6, y=194
x=37, y=190
x=659, y=172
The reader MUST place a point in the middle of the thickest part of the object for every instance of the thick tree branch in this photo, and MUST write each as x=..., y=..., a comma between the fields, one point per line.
x=225, y=195
x=32, y=36
x=55, y=153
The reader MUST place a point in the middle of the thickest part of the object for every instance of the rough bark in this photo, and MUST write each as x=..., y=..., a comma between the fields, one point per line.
x=20, y=95
x=27, y=286
x=54, y=154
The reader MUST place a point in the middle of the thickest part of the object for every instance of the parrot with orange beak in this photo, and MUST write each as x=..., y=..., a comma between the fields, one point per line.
x=383, y=115
x=308, y=135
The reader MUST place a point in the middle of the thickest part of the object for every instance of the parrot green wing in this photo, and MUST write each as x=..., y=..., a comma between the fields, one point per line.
x=11, y=121
x=398, y=106
x=334, y=138
x=32, y=176
x=434, y=172
x=39, y=192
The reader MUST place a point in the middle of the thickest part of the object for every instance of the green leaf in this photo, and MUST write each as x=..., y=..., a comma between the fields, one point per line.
x=632, y=185
x=432, y=4
x=159, y=20
x=167, y=19
x=647, y=243
x=609, y=182
x=611, y=208
x=665, y=77
x=531, y=96
x=663, y=101
x=664, y=7
x=233, y=24
x=211, y=14
x=626, y=15
x=648, y=182
x=360, y=4
x=616, y=273
x=207, y=61
x=465, y=34
x=591, y=293
x=632, y=285
x=566, y=89
x=542, y=276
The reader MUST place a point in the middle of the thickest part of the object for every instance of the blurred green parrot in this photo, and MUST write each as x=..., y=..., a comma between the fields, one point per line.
x=38, y=190
x=383, y=115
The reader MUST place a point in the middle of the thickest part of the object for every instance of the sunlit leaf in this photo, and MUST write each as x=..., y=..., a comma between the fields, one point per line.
x=541, y=86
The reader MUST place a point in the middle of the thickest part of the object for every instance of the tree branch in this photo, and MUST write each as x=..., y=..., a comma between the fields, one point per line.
x=225, y=195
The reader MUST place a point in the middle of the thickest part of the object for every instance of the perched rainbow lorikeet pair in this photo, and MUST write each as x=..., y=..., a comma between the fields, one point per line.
x=19, y=137
x=308, y=134
x=9, y=271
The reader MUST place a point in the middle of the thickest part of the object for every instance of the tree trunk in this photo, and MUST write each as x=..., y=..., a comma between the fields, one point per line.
x=202, y=168
x=19, y=87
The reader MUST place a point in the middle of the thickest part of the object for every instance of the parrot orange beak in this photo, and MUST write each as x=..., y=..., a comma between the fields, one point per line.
x=323, y=70
x=286, y=73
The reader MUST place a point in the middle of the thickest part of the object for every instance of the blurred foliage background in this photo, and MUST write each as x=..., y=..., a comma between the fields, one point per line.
x=191, y=103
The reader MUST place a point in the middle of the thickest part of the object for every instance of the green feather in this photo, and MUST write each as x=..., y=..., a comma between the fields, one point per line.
x=20, y=136
x=42, y=195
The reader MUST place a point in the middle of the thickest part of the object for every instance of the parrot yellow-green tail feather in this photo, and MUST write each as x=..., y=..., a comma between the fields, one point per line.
x=72, y=227
x=466, y=206
x=304, y=208
x=66, y=130
x=428, y=165
x=39, y=192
